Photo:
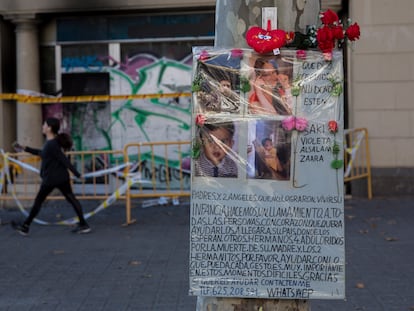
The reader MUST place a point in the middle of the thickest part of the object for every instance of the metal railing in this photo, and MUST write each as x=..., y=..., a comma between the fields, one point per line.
x=159, y=170
x=25, y=181
x=357, y=157
x=147, y=170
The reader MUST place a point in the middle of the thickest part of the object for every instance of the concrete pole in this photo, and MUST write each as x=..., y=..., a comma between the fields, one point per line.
x=7, y=108
x=233, y=19
x=29, y=116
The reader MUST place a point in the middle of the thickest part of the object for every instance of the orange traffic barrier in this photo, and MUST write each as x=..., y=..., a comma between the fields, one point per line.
x=357, y=163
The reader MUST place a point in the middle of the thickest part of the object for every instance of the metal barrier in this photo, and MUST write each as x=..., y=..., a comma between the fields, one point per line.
x=156, y=170
x=357, y=157
x=25, y=181
x=146, y=170
x=158, y=167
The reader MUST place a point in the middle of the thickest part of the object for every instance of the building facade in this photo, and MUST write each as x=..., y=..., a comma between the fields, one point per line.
x=74, y=48
x=381, y=80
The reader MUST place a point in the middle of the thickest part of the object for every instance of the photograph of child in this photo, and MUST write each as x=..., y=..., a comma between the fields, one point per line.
x=219, y=88
x=270, y=86
x=269, y=150
x=217, y=157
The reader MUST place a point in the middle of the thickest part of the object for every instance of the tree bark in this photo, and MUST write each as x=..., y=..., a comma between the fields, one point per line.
x=233, y=19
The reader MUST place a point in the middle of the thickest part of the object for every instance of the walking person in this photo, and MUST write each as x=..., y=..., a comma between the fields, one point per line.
x=54, y=173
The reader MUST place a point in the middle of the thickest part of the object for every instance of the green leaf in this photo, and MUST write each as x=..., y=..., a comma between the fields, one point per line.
x=337, y=164
x=196, y=150
x=336, y=149
x=244, y=85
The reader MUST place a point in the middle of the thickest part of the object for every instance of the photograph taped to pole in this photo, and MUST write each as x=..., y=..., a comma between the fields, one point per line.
x=267, y=201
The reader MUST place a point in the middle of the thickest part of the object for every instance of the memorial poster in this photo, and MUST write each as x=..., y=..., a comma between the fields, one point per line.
x=267, y=207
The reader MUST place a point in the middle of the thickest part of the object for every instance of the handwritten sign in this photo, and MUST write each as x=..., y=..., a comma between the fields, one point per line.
x=276, y=228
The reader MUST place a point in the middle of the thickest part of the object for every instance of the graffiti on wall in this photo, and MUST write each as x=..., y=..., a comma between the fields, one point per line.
x=111, y=125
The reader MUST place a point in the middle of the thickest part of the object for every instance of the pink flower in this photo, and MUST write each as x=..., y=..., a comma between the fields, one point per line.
x=237, y=53
x=301, y=54
x=288, y=124
x=203, y=55
x=200, y=120
x=301, y=124
x=327, y=56
x=293, y=123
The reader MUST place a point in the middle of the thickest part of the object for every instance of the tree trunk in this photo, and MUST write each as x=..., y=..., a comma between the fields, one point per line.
x=233, y=19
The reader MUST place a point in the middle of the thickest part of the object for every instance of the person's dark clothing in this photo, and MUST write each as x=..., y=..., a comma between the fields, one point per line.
x=54, y=174
x=55, y=165
x=67, y=192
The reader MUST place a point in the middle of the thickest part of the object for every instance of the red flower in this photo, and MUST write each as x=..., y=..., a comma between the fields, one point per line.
x=326, y=46
x=200, y=120
x=290, y=36
x=338, y=32
x=329, y=17
x=353, y=32
x=326, y=39
x=325, y=34
x=333, y=126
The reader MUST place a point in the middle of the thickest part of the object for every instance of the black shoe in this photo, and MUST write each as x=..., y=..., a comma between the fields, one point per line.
x=81, y=229
x=23, y=229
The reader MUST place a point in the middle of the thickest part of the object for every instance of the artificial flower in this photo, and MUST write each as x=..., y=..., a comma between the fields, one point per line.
x=200, y=120
x=353, y=32
x=290, y=36
x=301, y=124
x=288, y=123
x=333, y=126
x=204, y=55
x=329, y=17
x=327, y=56
x=332, y=33
x=338, y=32
x=301, y=54
x=292, y=123
x=326, y=39
x=237, y=53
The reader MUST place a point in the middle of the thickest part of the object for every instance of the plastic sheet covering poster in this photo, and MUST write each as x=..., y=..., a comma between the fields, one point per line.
x=267, y=209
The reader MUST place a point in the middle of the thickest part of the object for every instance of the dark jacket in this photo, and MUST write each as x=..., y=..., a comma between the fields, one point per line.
x=55, y=164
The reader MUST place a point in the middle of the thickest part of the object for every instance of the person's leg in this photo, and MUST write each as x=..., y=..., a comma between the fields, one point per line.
x=41, y=196
x=23, y=228
x=66, y=190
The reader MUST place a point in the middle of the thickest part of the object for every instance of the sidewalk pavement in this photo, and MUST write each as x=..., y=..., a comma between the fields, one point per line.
x=144, y=266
